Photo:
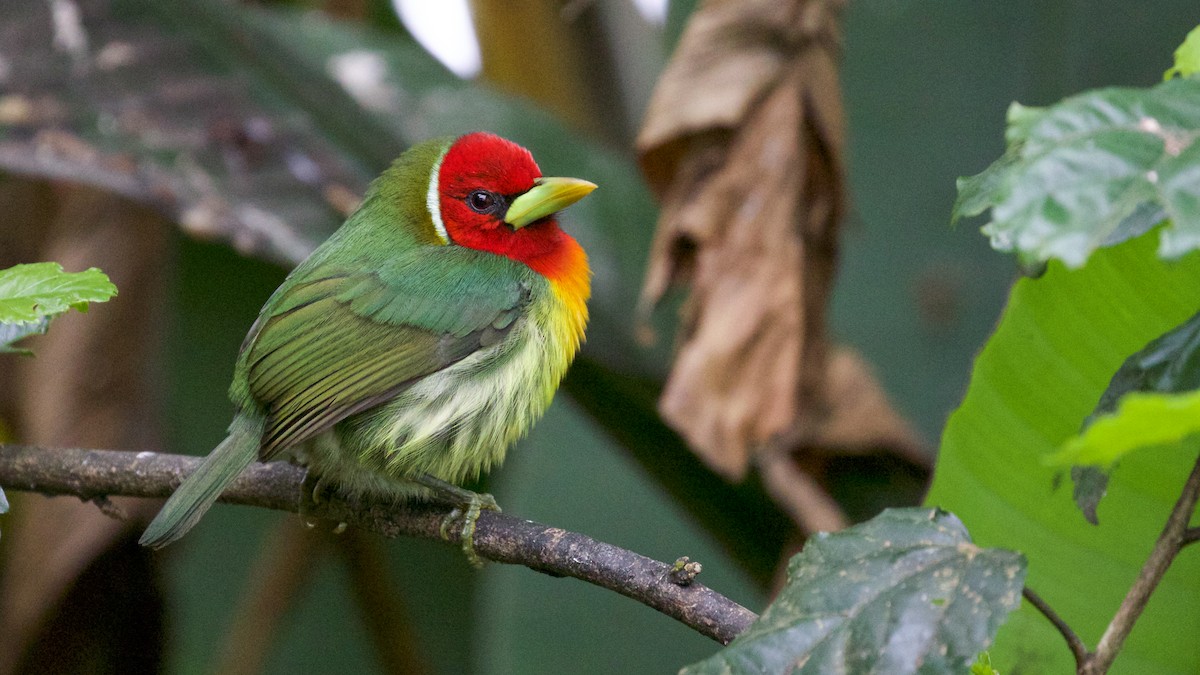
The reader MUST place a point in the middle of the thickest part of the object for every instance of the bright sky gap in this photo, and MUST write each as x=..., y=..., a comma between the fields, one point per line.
x=444, y=28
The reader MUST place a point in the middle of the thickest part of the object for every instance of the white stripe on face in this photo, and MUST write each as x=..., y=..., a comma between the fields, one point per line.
x=433, y=200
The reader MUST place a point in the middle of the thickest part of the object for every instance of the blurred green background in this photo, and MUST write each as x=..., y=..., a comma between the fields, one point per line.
x=926, y=85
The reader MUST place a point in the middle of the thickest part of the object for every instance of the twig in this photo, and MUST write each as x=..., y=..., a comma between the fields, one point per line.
x=91, y=473
x=1190, y=536
x=1077, y=647
x=1168, y=545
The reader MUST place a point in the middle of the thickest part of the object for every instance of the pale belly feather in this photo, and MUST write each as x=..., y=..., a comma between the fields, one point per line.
x=455, y=424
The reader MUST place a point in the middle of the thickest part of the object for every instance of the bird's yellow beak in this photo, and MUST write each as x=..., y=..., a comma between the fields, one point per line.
x=547, y=196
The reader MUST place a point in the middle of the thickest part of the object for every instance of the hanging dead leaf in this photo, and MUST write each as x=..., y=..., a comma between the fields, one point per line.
x=860, y=417
x=743, y=142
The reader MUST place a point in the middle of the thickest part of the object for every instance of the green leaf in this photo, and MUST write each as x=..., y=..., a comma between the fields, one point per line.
x=983, y=665
x=1169, y=363
x=977, y=193
x=903, y=592
x=1091, y=484
x=1058, y=344
x=1090, y=171
x=1179, y=194
x=1153, y=399
x=1187, y=57
x=1021, y=119
x=1141, y=419
x=30, y=293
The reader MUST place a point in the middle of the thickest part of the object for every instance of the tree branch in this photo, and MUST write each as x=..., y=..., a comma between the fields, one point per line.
x=1078, y=649
x=1191, y=536
x=1169, y=543
x=89, y=474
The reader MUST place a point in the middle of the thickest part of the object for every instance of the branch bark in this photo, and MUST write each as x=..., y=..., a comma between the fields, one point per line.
x=1175, y=535
x=1191, y=535
x=1078, y=649
x=1172, y=539
x=93, y=474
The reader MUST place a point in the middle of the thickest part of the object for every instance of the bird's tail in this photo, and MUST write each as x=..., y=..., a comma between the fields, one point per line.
x=200, y=490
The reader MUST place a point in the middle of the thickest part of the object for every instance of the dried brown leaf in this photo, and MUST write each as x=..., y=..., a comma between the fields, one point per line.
x=859, y=421
x=860, y=417
x=743, y=142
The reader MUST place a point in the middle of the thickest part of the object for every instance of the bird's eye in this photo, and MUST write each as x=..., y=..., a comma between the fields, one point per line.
x=482, y=201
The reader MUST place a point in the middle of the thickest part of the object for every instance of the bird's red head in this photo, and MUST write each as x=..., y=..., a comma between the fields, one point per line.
x=480, y=181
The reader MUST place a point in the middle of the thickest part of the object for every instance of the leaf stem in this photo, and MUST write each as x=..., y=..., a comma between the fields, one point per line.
x=1078, y=649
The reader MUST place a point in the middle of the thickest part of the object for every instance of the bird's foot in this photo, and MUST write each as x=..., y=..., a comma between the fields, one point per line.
x=309, y=500
x=469, y=517
x=314, y=491
x=468, y=506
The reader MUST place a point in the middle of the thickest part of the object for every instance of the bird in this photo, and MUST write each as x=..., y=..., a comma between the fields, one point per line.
x=415, y=345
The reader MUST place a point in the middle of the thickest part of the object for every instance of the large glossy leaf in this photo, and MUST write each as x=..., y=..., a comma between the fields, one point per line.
x=1082, y=174
x=1057, y=346
x=904, y=592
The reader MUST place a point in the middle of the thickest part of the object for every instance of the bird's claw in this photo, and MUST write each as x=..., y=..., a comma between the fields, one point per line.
x=308, y=499
x=448, y=523
x=461, y=498
x=314, y=492
x=475, y=505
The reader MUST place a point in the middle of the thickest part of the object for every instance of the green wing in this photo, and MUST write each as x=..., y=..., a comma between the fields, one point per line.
x=339, y=343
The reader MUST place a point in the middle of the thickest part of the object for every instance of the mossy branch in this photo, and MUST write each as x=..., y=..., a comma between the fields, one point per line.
x=97, y=474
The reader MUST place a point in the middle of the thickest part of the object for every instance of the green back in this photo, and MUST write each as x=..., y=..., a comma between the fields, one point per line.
x=380, y=305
